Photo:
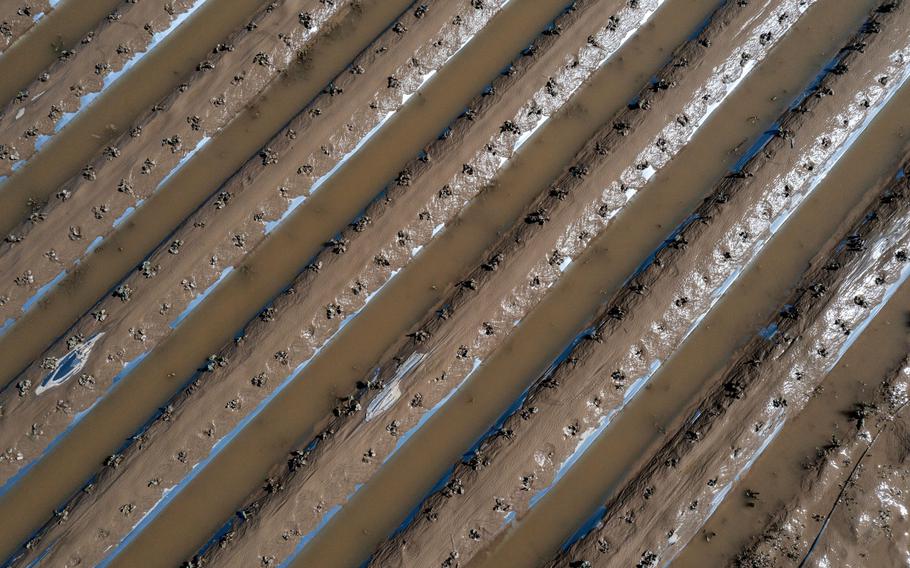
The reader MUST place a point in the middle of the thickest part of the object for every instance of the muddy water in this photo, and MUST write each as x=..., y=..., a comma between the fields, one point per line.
x=139, y=163
x=746, y=406
x=869, y=522
x=510, y=34
x=327, y=372
x=238, y=217
x=397, y=490
x=245, y=134
x=217, y=401
x=733, y=31
x=278, y=514
x=262, y=41
x=799, y=474
x=114, y=112
x=17, y=19
x=59, y=92
x=31, y=53
x=773, y=379
x=186, y=189
x=403, y=482
x=639, y=422
x=856, y=486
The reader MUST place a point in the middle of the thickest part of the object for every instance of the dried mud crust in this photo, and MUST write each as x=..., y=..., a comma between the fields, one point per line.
x=851, y=507
x=460, y=22
x=60, y=90
x=142, y=310
x=639, y=326
x=88, y=207
x=19, y=16
x=316, y=490
x=744, y=407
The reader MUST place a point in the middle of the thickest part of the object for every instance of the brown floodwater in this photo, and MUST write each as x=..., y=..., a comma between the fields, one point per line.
x=495, y=217
x=182, y=194
x=40, y=46
x=778, y=476
x=616, y=454
x=265, y=273
x=429, y=275
x=125, y=249
x=113, y=112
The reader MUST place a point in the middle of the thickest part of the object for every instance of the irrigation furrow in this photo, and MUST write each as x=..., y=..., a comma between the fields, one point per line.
x=44, y=413
x=52, y=99
x=767, y=515
x=876, y=489
x=348, y=429
x=617, y=453
x=842, y=422
x=88, y=134
x=256, y=126
x=313, y=405
x=745, y=406
x=428, y=208
x=449, y=90
x=378, y=507
x=17, y=18
x=90, y=207
x=174, y=279
x=393, y=229
x=521, y=459
x=444, y=283
x=436, y=32
x=60, y=29
x=191, y=185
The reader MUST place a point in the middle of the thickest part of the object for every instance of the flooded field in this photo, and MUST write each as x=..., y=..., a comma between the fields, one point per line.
x=454, y=283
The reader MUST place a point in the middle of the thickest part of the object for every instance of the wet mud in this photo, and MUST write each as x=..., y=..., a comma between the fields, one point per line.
x=474, y=510
x=333, y=54
x=406, y=475
x=39, y=30
x=646, y=419
x=851, y=505
x=468, y=178
x=80, y=72
x=88, y=208
x=352, y=324
x=746, y=405
x=532, y=20
x=345, y=300
x=796, y=481
x=187, y=188
x=155, y=79
x=519, y=460
x=143, y=308
x=431, y=30
x=17, y=18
